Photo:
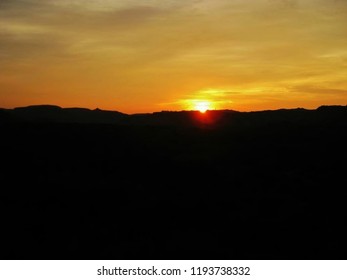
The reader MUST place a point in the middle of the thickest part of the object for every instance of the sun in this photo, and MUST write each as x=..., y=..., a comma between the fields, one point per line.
x=202, y=106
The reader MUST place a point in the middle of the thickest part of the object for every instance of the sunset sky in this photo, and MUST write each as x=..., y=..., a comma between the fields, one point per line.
x=153, y=55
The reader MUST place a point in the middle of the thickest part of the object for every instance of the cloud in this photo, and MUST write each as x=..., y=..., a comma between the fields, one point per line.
x=156, y=51
x=319, y=90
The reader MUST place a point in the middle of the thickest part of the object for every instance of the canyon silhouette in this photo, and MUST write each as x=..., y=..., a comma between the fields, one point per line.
x=94, y=184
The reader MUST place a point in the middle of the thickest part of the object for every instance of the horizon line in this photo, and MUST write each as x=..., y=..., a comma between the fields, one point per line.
x=169, y=111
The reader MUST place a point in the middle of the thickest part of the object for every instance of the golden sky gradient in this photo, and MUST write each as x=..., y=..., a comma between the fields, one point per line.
x=145, y=56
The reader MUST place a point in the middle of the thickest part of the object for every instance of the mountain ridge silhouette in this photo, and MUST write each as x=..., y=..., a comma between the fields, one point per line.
x=56, y=114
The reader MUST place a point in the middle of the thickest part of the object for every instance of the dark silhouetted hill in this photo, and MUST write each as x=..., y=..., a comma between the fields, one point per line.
x=94, y=184
x=217, y=118
x=56, y=114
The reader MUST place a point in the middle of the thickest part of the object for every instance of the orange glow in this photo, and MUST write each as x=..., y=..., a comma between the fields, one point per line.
x=137, y=58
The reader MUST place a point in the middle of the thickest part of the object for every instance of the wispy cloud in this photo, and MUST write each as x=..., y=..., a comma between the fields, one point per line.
x=153, y=52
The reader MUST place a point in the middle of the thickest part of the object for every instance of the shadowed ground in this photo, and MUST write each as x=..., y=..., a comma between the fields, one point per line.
x=266, y=185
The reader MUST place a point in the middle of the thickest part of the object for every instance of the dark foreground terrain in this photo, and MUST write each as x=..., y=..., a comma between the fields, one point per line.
x=84, y=184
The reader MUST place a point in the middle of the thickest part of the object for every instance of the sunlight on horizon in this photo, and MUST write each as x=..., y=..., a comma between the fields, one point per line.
x=205, y=99
x=202, y=106
x=133, y=57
